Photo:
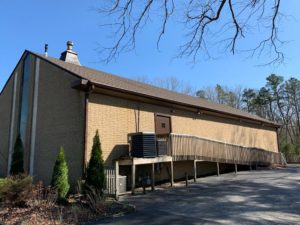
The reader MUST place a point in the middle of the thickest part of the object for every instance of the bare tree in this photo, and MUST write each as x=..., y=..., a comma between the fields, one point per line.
x=232, y=97
x=206, y=24
x=278, y=100
x=170, y=83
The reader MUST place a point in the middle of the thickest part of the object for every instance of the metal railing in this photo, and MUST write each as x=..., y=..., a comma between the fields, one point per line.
x=186, y=147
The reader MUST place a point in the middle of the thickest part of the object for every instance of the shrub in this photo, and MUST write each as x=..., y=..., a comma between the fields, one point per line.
x=17, y=163
x=60, y=175
x=95, y=171
x=16, y=190
x=289, y=149
x=94, y=199
x=42, y=196
x=297, y=149
x=2, y=182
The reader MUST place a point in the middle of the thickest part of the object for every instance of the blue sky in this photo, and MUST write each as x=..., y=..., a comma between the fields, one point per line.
x=32, y=23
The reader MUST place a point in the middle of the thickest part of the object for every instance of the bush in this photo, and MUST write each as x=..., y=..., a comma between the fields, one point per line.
x=94, y=199
x=297, y=149
x=17, y=163
x=3, y=182
x=290, y=149
x=60, y=175
x=95, y=171
x=42, y=196
x=15, y=190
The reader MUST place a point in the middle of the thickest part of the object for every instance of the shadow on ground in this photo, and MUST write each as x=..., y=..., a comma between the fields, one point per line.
x=251, y=197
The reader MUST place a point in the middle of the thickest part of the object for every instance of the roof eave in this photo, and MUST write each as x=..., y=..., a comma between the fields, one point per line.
x=83, y=86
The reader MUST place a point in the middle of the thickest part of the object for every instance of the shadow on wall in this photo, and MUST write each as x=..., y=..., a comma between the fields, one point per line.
x=3, y=165
x=117, y=152
x=163, y=174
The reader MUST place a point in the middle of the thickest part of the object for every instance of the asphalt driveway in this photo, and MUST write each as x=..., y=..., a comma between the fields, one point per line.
x=251, y=197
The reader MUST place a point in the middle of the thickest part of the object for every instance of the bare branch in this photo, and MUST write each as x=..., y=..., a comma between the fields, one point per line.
x=207, y=24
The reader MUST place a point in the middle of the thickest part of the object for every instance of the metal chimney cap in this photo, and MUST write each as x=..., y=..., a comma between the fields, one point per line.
x=69, y=55
x=70, y=45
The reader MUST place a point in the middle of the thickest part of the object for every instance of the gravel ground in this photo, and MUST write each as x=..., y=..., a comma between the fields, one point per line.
x=251, y=197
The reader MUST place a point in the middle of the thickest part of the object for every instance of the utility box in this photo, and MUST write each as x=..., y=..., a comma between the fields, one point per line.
x=142, y=144
x=122, y=184
x=162, y=146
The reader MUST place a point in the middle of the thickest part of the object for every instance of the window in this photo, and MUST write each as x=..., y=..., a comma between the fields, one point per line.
x=163, y=125
x=25, y=98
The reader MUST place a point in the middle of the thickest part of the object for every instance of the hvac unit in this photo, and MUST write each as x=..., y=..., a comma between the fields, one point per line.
x=142, y=144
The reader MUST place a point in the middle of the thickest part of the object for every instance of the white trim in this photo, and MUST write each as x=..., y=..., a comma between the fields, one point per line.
x=34, y=115
x=12, y=123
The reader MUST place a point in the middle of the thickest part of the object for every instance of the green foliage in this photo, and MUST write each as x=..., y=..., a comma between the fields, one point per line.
x=95, y=171
x=17, y=163
x=60, y=175
x=297, y=149
x=15, y=190
x=2, y=182
x=290, y=149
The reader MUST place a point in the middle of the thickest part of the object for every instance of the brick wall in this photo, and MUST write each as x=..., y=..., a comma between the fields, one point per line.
x=115, y=118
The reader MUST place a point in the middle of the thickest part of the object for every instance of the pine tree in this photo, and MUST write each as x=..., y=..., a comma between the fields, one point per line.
x=60, y=175
x=17, y=163
x=95, y=171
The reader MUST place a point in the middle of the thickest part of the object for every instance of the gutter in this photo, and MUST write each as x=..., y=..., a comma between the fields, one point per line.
x=89, y=90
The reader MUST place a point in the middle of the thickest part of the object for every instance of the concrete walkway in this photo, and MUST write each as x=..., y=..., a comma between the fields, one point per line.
x=252, y=197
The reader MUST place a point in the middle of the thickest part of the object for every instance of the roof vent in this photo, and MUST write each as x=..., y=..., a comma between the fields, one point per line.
x=69, y=55
x=46, y=50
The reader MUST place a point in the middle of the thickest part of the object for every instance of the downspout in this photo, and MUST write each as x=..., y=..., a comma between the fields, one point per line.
x=87, y=93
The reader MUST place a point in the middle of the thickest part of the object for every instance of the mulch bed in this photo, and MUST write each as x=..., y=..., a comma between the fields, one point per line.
x=71, y=213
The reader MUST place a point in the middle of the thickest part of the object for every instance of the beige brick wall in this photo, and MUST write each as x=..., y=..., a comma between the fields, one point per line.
x=228, y=131
x=115, y=118
x=60, y=122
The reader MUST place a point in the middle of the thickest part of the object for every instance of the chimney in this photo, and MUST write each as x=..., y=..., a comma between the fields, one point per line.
x=69, y=55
